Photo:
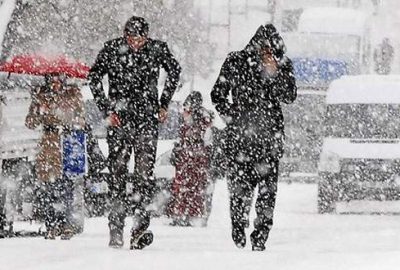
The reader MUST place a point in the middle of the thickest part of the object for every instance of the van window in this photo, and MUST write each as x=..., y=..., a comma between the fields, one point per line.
x=378, y=121
x=324, y=46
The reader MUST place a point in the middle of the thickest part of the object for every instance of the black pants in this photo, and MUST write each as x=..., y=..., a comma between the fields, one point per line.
x=131, y=196
x=55, y=200
x=243, y=179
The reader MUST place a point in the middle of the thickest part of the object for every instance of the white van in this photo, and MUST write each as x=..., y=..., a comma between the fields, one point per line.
x=360, y=159
x=329, y=43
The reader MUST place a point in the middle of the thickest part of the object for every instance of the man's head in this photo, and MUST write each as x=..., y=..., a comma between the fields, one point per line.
x=136, y=32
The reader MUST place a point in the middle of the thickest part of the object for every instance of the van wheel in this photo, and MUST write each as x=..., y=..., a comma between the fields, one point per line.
x=326, y=200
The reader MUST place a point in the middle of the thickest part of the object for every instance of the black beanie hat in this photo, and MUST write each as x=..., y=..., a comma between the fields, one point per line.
x=194, y=100
x=136, y=26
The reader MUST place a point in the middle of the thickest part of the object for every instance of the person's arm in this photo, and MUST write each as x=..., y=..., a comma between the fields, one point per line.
x=32, y=120
x=95, y=77
x=173, y=69
x=285, y=90
x=222, y=89
x=79, y=109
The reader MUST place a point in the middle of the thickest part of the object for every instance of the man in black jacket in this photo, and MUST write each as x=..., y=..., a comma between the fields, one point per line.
x=133, y=111
x=258, y=79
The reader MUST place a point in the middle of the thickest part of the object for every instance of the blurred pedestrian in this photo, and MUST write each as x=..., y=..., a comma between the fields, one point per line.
x=191, y=158
x=58, y=109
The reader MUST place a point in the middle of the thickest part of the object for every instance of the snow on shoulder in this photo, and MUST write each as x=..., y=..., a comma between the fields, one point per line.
x=333, y=21
x=365, y=89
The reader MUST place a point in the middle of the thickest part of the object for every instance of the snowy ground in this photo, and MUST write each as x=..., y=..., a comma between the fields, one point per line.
x=301, y=239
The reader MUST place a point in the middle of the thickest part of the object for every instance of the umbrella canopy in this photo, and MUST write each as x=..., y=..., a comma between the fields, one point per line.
x=41, y=65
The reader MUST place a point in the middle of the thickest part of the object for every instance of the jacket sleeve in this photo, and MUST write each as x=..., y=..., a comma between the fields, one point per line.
x=222, y=88
x=285, y=90
x=96, y=74
x=173, y=69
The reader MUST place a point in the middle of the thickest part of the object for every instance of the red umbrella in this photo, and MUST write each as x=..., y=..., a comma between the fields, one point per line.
x=41, y=65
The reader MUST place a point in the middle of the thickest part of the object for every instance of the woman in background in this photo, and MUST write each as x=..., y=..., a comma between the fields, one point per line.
x=58, y=109
x=191, y=158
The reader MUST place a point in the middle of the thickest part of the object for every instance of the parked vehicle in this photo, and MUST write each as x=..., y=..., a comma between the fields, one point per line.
x=329, y=43
x=360, y=157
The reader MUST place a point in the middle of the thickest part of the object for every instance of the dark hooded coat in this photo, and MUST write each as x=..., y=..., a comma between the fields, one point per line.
x=255, y=124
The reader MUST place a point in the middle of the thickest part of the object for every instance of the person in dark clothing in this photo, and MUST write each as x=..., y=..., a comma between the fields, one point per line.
x=383, y=57
x=258, y=78
x=133, y=64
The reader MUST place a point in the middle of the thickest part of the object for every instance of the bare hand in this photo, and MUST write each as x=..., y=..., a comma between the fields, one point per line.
x=44, y=109
x=269, y=61
x=162, y=115
x=113, y=120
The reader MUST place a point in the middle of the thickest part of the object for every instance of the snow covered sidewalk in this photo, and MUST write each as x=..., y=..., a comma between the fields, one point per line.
x=301, y=239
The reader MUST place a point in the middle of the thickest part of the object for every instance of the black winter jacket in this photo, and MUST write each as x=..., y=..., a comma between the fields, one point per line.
x=133, y=78
x=255, y=119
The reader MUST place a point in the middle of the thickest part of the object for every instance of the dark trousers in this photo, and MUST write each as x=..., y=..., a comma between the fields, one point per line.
x=56, y=200
x=131, y=196
x=2, y=209
x=243, y=178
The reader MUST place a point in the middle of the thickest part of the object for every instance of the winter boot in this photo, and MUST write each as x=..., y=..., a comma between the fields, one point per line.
x=50, y=234
x=116, y=237
x=67, y=233
x=141, y=239
x=239, y=236
x=258, y=240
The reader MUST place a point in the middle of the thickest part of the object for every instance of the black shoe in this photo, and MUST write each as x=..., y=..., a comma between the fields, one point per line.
x=258, y=248
x=239, y=237
x=67, y=233
x=50, y=234
x=116, y=237
x=258, y=240
x=141, y=240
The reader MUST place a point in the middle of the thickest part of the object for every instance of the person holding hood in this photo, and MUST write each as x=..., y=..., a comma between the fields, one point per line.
x=258, y=78
x=58, y=108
